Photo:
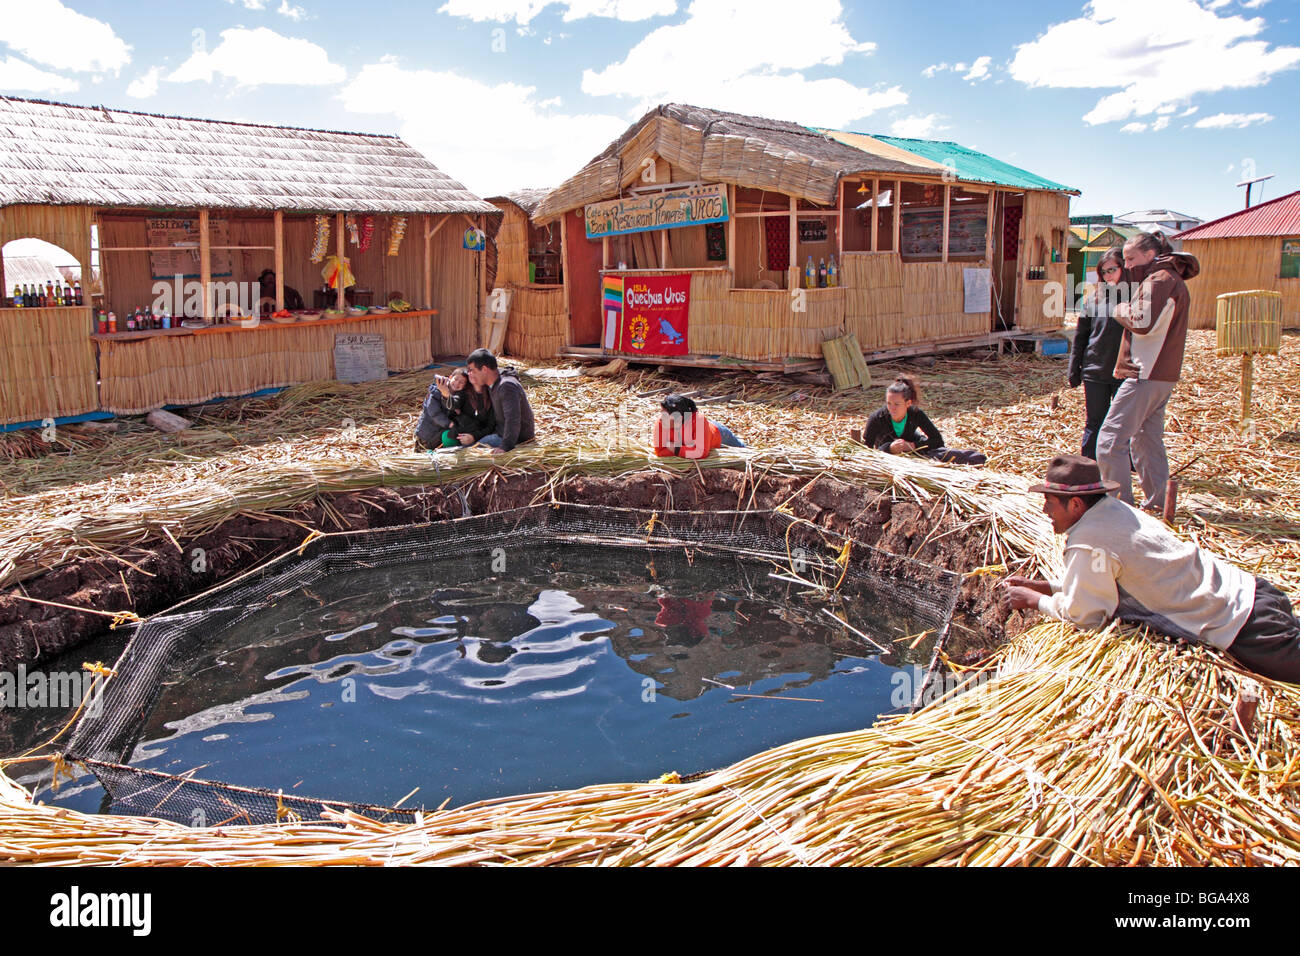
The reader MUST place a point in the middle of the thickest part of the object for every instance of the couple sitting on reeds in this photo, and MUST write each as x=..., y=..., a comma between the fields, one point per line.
x=1123, y=563
x=478, y=404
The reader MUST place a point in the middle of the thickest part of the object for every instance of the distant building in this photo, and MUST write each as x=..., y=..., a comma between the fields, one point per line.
x=1166, y=220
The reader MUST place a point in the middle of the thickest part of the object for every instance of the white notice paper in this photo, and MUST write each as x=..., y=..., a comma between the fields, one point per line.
x=360, y=358
x=979, y=286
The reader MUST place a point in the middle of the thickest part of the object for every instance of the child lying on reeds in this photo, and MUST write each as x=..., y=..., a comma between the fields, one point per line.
x=901, y=428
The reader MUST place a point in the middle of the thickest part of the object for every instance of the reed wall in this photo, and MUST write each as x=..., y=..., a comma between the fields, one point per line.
x=47, y=364
x=144, y=374
x=538, y=323
x=512, y=247
x=873, y=298
x=47, y=361
x=1238, y=265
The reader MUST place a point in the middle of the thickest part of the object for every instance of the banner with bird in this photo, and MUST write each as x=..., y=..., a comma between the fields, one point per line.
x=654, y=315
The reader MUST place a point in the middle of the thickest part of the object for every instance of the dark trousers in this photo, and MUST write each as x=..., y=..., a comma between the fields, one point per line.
x=1097, y=397
x=1269, y=642
x=955, y=456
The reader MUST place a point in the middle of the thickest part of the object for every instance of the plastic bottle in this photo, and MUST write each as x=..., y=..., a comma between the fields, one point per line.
x=832, y=274
x=821, y=274
x=810, y=274
x=17, y=302
x=112, y=322
x=76, y=293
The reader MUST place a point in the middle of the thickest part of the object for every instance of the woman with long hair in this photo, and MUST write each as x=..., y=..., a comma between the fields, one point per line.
x=1096, y=345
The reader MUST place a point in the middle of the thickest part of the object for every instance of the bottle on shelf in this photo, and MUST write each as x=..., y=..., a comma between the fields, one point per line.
x=810, y=274
x=102, y=322
x=821, y=274
x=130, y=321
x=832, y=274
x=58, y=293
x=76, y=294
x=112, y=323
x=17, y=301
x=29, y=301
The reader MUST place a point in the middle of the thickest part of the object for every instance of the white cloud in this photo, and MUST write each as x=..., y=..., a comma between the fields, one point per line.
x=934, y=68
x=917, y=127
x=145, y=85
x=286, y=9
x=757, y=69
x=1232, y=120
x=20, y=77
x=48, y=32
x=1160, y=124
x=523, y=11
x=979, y=70
x=525, y=144
x=1156, y=52
x=250, y=4
x=261, y=56
x=1133, y=128
x=1253, y=4
x=1189, y=111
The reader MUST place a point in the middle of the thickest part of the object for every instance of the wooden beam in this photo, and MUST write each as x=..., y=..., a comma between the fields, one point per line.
x=896, y=204
x=947, y=202
x=205, y=264
x=428, y=261
x=663, y=248
x=278, y=221
x=604, y=252
x=481, y=259
x=731, y=231
x=564, y=265
x=795, y=267
x=875, y=214
x=839, y=224
x=340, y=246
x=442, y=221
x=988, y=232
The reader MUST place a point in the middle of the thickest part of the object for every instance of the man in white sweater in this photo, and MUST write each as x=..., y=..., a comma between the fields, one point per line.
x=1120, y=562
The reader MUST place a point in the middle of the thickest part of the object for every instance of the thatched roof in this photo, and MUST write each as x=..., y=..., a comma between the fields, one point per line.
x=730, y=148
x=29, y=269
x=57, y=154
x=525, y=199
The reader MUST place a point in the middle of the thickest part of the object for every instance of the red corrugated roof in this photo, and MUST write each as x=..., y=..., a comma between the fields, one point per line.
x=1277, y=217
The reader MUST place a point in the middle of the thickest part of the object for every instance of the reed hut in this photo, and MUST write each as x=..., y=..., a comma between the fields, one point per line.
x=932, y=242
x=524, y=259
x=187, y=214
x=1255, y=248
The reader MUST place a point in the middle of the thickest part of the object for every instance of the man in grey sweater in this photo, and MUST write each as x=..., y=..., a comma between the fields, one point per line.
x=1123, y=563
x=510, y=408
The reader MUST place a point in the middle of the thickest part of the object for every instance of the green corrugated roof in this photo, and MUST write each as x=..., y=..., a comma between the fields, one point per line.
x=974, y=166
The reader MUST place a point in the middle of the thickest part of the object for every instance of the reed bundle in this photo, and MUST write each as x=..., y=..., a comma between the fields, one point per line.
x=539, y=323
x=1249, y=323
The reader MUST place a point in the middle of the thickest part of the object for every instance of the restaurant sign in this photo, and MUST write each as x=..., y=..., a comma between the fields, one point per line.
x=688, y=207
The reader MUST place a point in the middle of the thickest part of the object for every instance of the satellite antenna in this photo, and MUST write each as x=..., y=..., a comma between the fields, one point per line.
x=1250, y=182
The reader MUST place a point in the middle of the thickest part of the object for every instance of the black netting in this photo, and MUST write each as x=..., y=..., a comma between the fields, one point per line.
x=105, y=739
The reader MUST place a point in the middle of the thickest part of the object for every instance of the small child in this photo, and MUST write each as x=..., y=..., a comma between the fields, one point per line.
x=901, y=427
x=443, y=406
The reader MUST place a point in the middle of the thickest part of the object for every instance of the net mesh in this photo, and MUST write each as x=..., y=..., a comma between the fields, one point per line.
x=106, y=736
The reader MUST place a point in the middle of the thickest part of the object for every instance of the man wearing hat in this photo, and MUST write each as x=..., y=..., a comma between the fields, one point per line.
x=1121, y=562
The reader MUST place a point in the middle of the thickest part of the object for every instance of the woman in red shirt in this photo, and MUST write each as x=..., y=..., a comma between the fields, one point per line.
x=683, y=432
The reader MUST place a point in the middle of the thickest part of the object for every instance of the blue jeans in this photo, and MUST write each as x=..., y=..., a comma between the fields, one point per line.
x=729, y=439
x=492, y=441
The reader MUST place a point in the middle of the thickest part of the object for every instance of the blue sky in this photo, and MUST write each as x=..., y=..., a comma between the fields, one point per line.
x=1138, y=103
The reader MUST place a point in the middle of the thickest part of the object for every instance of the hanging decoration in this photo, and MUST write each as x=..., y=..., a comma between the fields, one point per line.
x=395, y=234
x=322, y=238
x=367, y=232
x=354, y=233
x=335, y=273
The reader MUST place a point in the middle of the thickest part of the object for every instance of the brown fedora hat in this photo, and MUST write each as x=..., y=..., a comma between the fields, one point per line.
x=1074, y=475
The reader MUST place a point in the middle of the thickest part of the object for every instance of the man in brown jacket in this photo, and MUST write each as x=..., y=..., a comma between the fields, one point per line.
x=1150, y=363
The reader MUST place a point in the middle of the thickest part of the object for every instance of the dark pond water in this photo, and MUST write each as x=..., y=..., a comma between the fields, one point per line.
x=576, y=666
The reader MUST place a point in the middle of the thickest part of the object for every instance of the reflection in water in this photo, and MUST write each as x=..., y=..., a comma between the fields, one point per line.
x=580, y=666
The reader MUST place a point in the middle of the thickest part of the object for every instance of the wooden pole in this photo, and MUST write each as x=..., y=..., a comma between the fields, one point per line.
x=340, y=245
x=663, y=248
x=875, y=214
x=428, y=263
x=988, y=231
x=279, y=259
x=731, y=232
x=947, y=203
x=480, y=258
x=564, y=265
x=604, y=252
x=1247, y=386
x=839, y=224
x=794, y=244
x=205, y=264
x=896, y=204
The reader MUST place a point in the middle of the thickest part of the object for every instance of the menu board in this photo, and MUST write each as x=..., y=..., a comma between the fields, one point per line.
x=921, y=232
x=360, y=358
x=176, y=245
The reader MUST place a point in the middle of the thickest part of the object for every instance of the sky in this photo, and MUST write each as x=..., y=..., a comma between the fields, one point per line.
x=1136, y=103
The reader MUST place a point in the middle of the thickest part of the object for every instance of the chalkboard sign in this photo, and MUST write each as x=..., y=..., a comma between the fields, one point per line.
x=812, y=230
x=181, y=255
x=360, y=358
